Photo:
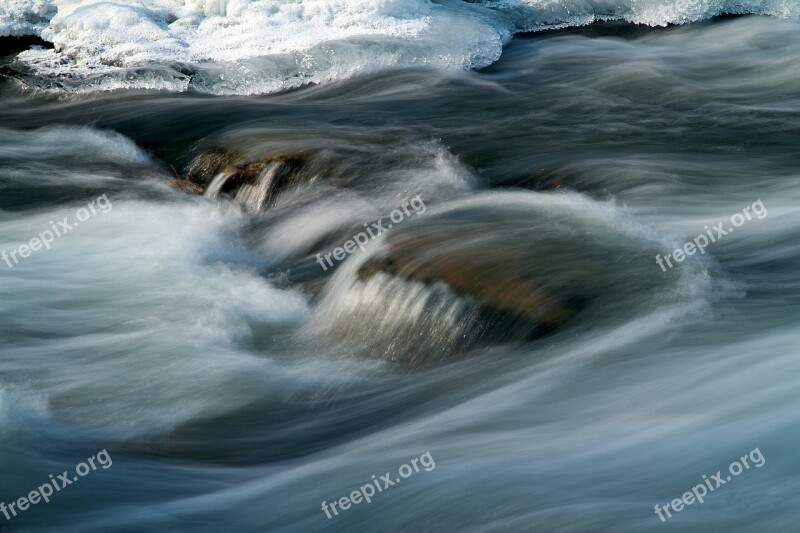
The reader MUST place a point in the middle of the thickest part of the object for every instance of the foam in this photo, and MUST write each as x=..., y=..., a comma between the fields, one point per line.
x=263, y=46
x=25, y=17
x=54, y=143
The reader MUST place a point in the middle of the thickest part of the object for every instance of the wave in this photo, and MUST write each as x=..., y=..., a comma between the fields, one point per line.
x=265, y=46
x=511, y=247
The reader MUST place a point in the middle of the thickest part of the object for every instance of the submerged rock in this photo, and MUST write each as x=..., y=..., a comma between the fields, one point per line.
x=493, y=275
x=494, y=268
x=255, y=185
x=207, y=164
x=188, y=186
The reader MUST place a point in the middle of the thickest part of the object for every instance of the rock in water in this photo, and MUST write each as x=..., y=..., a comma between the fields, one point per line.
x=188, y=186
x=255, y=185
x=497, y=267
x=494, y=275
x=204, y=166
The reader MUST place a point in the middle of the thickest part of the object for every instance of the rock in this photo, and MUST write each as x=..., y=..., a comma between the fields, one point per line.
x=496, y=276
x=188, y=186
x=497, y=267
x=255, y=185
x=206, y=165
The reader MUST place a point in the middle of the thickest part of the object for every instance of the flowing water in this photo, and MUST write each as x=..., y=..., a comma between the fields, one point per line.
x=237, y=384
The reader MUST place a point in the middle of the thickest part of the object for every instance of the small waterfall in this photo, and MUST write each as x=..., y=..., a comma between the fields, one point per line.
x=407, y=322
x=253, y=196
x=251, y=188
x=215, y=187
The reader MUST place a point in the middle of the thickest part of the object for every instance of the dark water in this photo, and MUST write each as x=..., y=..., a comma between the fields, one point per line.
x=234, y=394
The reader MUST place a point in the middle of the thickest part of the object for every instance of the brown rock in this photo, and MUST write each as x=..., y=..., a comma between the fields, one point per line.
x=255, y=185
x=188, y=186
x=494, y=275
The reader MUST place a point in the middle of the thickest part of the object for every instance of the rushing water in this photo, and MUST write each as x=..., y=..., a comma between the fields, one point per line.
x=237, y=385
